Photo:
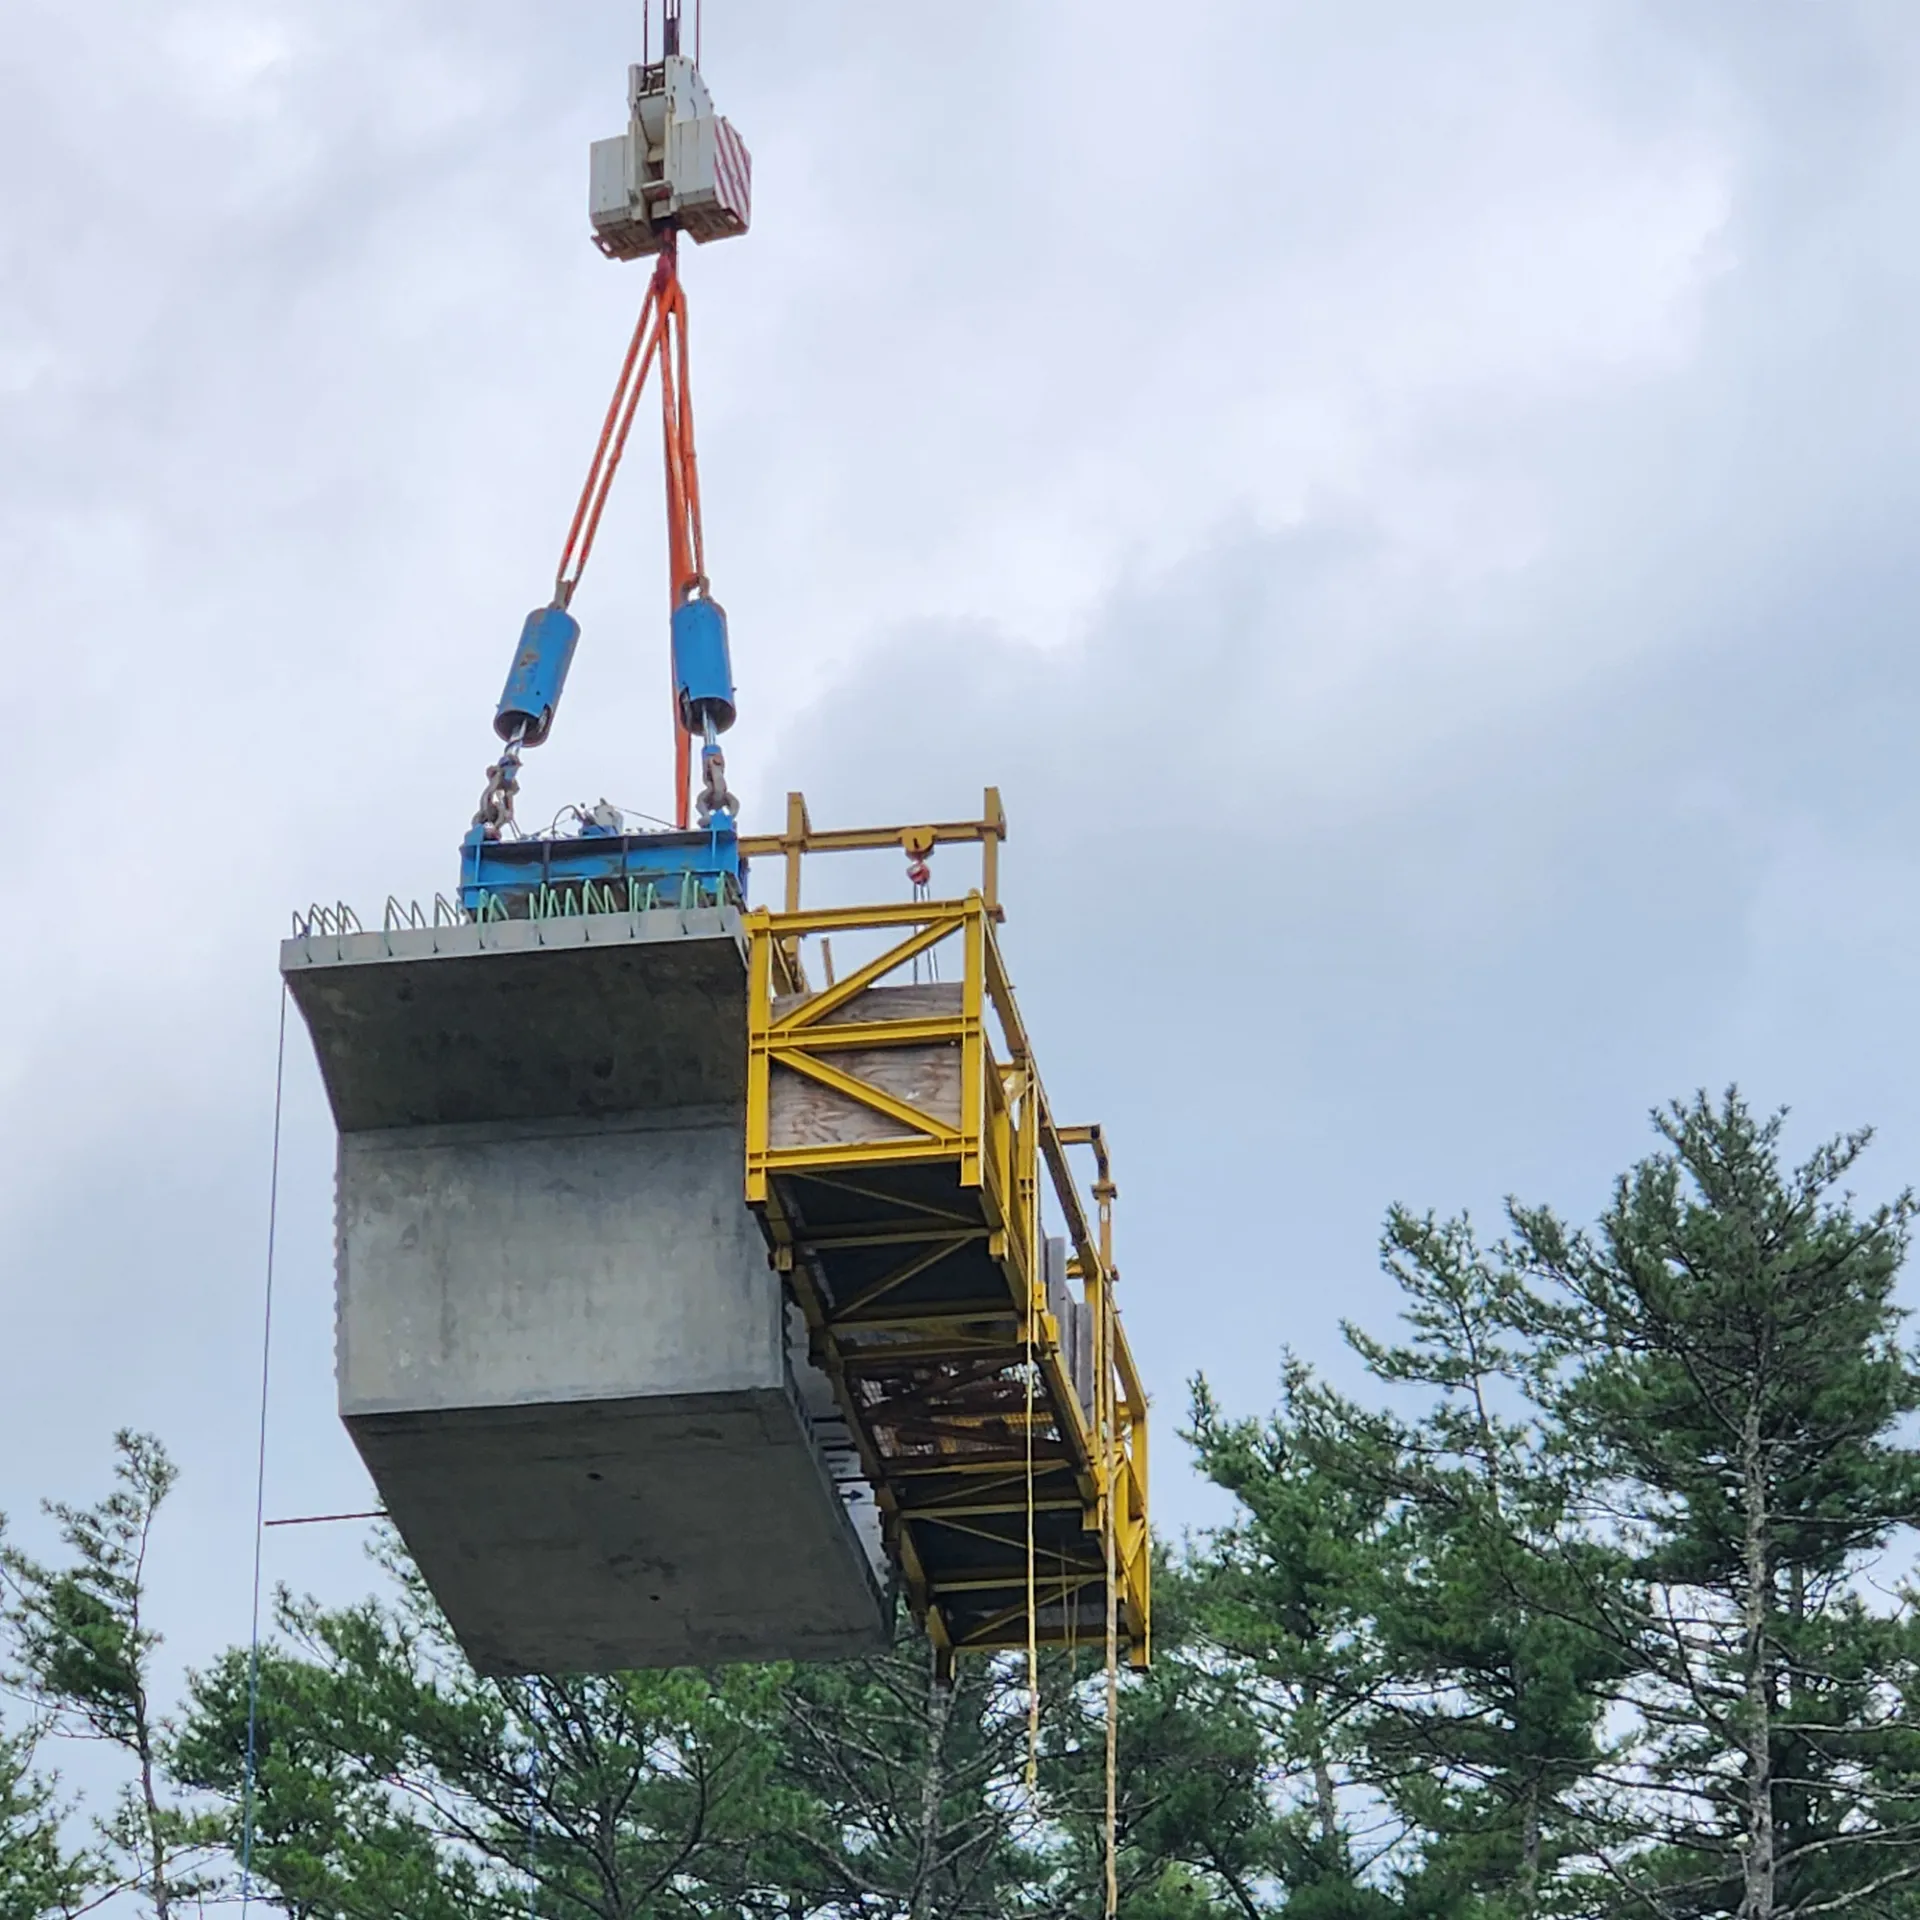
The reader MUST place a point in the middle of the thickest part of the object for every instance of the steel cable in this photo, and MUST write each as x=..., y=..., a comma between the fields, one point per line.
x=250, y=1776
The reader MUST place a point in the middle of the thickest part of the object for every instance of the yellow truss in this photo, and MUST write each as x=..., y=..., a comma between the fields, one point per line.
x=924, y=1381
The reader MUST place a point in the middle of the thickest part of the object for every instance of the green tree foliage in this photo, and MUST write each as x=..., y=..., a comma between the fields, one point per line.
x=1197, y=1830
x=392, y=1779
x=1283, y=1592
x=39, y=1876
x=85, y=1646
x=1385, y=1591
x=903, y=1787
x=1574, y=1610
x=1726, y=1370
x=1580, y=1610
x=1486, y=1732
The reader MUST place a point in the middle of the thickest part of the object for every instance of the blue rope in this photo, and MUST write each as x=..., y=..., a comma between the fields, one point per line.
x=260, y=1480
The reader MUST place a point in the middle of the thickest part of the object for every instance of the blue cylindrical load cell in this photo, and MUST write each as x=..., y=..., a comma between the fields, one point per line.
x=702, y=666
x=539, y=671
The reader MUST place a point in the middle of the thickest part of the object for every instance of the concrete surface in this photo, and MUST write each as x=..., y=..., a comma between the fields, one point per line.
x=561, y=1350
x=526, y=1019
x=601, y=1535
x=522, y=1261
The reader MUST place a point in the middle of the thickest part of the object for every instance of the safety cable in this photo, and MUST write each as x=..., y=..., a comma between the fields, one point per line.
x=1033, y=1597
x=1110, y=1442
x=251, y=1772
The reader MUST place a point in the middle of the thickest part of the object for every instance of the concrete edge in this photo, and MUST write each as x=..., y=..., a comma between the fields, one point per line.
x=491, y=1416
x=305, y=952
x=558, y=1126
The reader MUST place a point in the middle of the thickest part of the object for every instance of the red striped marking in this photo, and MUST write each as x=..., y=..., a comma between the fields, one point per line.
x=733, y=172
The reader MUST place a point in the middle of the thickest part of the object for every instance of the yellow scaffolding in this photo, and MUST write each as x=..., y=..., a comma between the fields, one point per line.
x=900, y=1149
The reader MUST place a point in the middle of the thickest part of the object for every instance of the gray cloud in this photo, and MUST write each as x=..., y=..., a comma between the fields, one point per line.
x=1413, y=514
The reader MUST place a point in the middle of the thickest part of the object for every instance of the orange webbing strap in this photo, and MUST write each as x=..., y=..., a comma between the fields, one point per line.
x=686, y=552
x=611, y=444
x=659, y=334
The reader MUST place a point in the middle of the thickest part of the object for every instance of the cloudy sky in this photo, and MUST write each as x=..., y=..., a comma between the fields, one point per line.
x=1411, y=504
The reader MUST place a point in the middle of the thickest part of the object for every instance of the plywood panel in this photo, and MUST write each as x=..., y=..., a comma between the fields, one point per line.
x=803, y=1113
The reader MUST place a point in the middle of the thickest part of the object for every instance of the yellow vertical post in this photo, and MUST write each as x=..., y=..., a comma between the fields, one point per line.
x=1140, y=1647
x=1027, y=1190
x=794, y=841
x=973, y=1046
x=759, y=1068
x=993, y=829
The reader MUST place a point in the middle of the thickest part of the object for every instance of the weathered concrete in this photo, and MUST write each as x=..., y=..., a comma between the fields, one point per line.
x=596, y=1536
x=561, y=1350
x=518, y=1262
x=526, y=1019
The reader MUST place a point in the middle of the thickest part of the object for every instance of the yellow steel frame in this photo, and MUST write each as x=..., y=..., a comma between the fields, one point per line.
x=802, y=837
x=1004, y=1149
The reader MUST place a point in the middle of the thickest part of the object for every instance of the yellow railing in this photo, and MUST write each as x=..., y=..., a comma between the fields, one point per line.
x=996, y=1130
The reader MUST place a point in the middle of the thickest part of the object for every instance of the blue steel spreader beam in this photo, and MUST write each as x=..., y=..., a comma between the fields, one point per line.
x=504, y=875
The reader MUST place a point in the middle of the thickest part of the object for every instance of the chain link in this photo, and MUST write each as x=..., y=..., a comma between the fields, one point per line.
x=503, y=782
x=714, y=795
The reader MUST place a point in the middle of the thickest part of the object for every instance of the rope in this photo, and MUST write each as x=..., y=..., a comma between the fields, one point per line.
x=250, y=1778
x=1033, y=1595
x=1110, y=1442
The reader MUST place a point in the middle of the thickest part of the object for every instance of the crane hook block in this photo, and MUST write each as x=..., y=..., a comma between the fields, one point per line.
x=539, y=671
x=702, y=666
x=678, y=168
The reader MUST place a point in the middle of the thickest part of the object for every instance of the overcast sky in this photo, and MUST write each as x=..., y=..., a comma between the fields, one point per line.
x=1412, y=504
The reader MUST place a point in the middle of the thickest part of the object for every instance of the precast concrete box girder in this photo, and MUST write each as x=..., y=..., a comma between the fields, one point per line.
x=561, y=1350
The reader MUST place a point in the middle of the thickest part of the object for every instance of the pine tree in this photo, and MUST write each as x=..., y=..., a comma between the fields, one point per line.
x=907, y=1784
x=1386, y=1577
x=390, y=1778
x=83, y=1640
x=40, y=1876
x=1490, y=1729
x=1285, y=1593
x=1197, y=1832
x=1730, y=1378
